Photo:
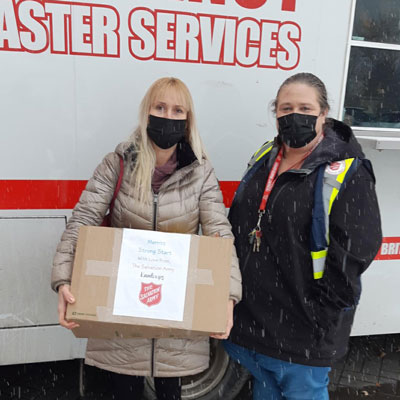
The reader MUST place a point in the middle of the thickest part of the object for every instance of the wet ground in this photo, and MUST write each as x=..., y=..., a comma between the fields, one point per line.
x=371, y=370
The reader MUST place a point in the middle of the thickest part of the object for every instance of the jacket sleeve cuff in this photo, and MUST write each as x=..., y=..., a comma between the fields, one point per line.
x=56, y=285
x=235, y=292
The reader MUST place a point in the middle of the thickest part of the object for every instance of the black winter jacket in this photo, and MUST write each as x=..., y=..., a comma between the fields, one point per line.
x=284, y=312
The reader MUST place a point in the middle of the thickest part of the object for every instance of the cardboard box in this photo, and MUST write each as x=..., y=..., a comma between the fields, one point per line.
x=134, y=283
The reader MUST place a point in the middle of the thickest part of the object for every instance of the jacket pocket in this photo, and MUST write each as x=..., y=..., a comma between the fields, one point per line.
x=344, y=324
x=335, y=333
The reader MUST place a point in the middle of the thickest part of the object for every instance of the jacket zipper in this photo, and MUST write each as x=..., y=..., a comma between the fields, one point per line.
x=155, y=205
x=269, y=210
x=153, y=341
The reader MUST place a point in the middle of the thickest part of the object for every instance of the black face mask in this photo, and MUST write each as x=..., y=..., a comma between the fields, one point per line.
x=297, y=130
x=165, y=132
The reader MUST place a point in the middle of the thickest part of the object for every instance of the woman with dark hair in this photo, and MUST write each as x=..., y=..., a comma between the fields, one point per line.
x=169, y=185
x=306, y=223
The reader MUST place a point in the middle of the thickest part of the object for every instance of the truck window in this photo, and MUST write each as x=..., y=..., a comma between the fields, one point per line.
x=373, y=81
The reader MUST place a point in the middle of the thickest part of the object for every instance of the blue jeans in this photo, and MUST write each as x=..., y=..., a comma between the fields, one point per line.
x=276, y=379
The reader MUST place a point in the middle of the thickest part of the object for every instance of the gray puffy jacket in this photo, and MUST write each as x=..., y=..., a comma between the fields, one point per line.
x=188, y=199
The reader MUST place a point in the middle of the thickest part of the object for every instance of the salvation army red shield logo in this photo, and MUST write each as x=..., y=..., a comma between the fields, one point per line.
x=336, y=168
x=150, y=294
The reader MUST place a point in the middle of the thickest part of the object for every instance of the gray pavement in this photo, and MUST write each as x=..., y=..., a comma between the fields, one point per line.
x=371, y=370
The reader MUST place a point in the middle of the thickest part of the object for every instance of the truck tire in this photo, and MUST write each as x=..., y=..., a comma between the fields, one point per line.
x=224, y=379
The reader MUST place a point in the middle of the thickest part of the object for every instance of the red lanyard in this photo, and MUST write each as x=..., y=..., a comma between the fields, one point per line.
x=272, y=176
x=255, y=234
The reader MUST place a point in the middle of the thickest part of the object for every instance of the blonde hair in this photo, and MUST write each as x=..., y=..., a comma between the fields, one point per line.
x=146, y=158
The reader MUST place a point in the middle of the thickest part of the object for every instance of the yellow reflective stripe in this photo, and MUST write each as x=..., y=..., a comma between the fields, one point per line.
x=318, y=275
x=319, y=257
x=315, y=255
x=341, y=176
x=332, y=199
x=263, y=154
x=261, y=149
x=340, y=179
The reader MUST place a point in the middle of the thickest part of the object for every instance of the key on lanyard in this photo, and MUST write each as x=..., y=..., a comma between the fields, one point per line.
x=257, y=242
x=256, y=234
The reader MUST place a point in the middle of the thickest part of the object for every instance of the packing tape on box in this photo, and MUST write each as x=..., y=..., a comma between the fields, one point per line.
x=203, y=277
x=106, y=312
x=99, y=268
x=106, y=268
x=191, y=283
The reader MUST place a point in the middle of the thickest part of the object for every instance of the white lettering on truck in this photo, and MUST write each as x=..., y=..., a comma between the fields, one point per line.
x=86, y=29
x=211, y=39
x=69, y=28
x=390, y=248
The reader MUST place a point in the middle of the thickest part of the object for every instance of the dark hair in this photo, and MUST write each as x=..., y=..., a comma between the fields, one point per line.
x=309, y=80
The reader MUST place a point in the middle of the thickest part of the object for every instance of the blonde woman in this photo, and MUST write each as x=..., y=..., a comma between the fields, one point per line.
x=168, y=185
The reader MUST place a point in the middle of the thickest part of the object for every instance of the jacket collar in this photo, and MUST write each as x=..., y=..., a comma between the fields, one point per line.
x=187, y=161
x=339, y=143
x=185, y=155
